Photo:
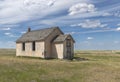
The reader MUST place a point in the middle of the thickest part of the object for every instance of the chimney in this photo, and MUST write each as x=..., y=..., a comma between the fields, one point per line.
x=29, y=29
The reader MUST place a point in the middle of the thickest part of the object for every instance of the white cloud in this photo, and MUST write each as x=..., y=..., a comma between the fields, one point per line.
x=118, y=29
x=40, y=4
x=23, y=32
x=9, y=34
x=70, y=33
x=112, y=13
x=17, y=11
x=81, y=8
x=5, y=28
x=118, y=24
x=13, y=12
x=106, y=14
x=117, y=13
x=116, y=42
x=96, y=31
x=90, y=38
x=90, y=24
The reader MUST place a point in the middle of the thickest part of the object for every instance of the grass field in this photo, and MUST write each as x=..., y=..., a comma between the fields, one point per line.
x=88, y=66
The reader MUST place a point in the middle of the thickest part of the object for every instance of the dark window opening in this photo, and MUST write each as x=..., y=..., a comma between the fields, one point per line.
x=33, y=46
x=23, y=46
x=68, y=43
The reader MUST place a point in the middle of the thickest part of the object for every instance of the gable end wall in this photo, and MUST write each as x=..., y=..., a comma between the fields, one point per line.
x=48, y=43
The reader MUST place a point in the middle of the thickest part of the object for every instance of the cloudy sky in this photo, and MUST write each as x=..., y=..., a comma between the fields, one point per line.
x=94, y=24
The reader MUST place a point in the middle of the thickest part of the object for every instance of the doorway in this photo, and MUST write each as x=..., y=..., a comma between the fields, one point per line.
x=68, y=49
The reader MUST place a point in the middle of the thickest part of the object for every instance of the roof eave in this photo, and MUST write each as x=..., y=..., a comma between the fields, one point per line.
x=59, y=42
x=29, y=41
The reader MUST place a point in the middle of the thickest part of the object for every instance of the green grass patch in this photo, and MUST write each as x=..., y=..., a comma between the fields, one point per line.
x=87, y=66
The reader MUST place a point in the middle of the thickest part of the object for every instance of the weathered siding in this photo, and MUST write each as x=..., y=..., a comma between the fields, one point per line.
x=57, y=50
x=72, y=48
x=39, y=52
x=48, y=43
x=48, y=48
x=65, y=49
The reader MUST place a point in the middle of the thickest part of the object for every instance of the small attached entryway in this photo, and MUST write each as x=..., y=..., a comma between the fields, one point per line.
x=63, y=47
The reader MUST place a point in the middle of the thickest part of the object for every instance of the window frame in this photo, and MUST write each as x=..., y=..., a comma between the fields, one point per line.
x=33, y=46
x=23, y=46
x=68, y=42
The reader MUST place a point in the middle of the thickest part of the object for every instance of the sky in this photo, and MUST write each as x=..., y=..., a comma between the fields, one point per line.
x=94, y=24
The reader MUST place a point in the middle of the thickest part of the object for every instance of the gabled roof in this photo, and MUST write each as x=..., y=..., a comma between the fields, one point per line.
x=62, y=38
x=37, y=35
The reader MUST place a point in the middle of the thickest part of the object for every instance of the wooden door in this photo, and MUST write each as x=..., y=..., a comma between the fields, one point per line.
x=68, y=51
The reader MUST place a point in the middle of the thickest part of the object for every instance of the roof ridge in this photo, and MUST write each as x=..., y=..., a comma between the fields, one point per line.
x=36, y=35
x=44, y=29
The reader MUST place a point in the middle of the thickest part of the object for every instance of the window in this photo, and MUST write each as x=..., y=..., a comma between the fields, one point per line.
x=33, y=46
x=23, y=46
x=68, y=43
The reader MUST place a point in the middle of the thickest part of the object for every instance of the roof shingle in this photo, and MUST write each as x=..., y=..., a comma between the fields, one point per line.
x=36, y=35
x=62, y=38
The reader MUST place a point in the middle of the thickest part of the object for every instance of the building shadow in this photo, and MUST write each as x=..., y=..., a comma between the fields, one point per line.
x=80, y=59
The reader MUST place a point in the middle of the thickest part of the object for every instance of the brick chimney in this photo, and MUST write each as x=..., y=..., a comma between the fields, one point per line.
x=29, y=29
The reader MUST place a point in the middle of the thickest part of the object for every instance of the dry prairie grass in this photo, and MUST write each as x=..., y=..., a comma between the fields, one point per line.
x=94, y=66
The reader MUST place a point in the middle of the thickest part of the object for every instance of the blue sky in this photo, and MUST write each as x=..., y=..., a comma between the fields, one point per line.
x=94, y=24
